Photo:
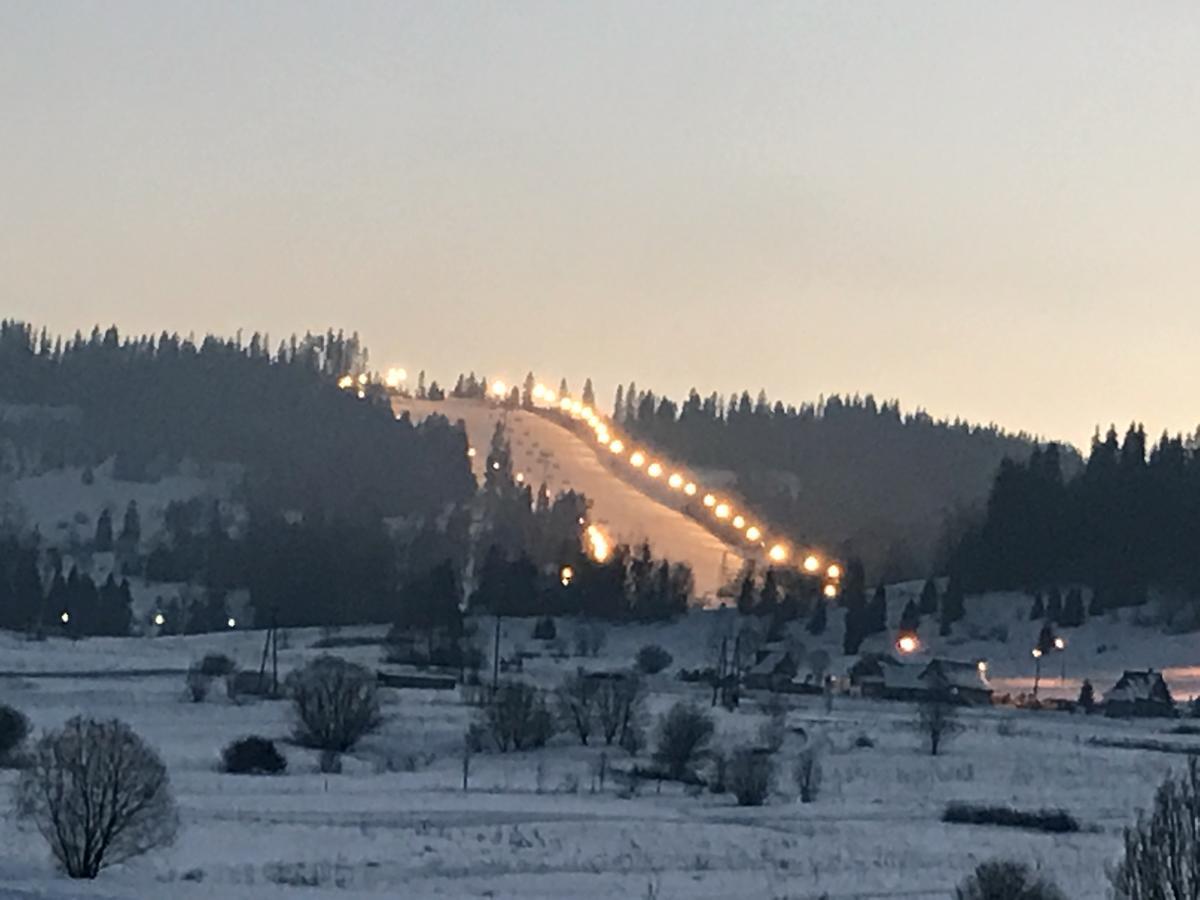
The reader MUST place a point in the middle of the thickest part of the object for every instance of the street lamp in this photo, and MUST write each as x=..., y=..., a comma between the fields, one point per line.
x=1037, y=674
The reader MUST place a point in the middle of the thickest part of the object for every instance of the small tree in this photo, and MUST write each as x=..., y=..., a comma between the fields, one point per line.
x=807, y=774
x=749, y=775
x=545, y=629
x=929, y=598
x=253, y=756
x=619, y=702
x=1162, y=851
x=1087, y=696
x=98, y=795
x=684, y=733
x=652, y=659
x=197, y=683
x=14, y=728
x=937, y=720
x=336, y=703
x=1006, y=880
x=517, y=718
x=577, y=704
x=1037, y=611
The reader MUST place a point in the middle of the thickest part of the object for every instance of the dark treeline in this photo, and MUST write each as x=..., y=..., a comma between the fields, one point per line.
x=851, y=474
x=151, y=402
x=1125, y=523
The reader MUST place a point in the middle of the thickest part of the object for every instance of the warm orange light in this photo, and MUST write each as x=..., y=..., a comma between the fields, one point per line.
x=637, y=459
x=908, y=644
x=689, y=489
x=778, y=553
x=710, y=501
x=565, y=404
x=654, y=470
x=346, y=382
x=362, y=379
x=752, y=533
x=395, y=378
x=675, y=481
x=1037, y=653
x=617, y=447
x=471, y=452
x=722, y=511
x=598, y=544
x=499, y=388
x=566, y=575
x=739, y=522
x=834, y=571
x=831, y=591
x=811, y=564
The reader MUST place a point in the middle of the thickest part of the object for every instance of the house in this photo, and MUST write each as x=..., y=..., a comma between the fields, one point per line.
x=963, y=681
x=882, y=677
x=1141, y=694
x=773, y=666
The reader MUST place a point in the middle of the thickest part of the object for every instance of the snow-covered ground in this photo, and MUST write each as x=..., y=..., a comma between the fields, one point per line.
x=545, y=452
x=397, y=822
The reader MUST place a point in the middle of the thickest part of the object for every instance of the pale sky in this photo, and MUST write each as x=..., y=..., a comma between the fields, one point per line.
x=986, y=209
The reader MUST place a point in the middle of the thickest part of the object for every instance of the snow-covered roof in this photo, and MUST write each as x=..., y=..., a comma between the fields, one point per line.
x=955, y=674
x=1139, y=687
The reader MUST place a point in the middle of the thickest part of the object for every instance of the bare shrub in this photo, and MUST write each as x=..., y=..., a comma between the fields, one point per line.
x=652, y=659
x=517, y=718
x=937, y=720
x=1006, y=880
x=577, y=704
x=252, y=756
x=683, y=736
x=98, y=795
x=336, y=703
x=619, y=709
x=14, y=728
x=197, y=683
x=807, y=774
x=773, y=732
x=749, y=775
x=1162, y=851
x=330, y=762
x=590, y=639
x=217, y=665
x=545, y=629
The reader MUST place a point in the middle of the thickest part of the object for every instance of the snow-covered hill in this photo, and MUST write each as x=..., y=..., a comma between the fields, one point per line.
x=544, y=451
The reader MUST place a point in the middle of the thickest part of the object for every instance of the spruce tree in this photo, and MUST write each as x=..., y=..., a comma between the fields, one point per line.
x=746, y=596
x=768, y=602
x=589, y=394
x=104, y=531
x=619, y=404
x=876, y=619
x=929, y=598
x=1087, y=696
x=910, y=618
x=1037, y=612
x=1073, y=614
x=953, y=606
x=819, y=618
x=1054, y=605
x=131, y=530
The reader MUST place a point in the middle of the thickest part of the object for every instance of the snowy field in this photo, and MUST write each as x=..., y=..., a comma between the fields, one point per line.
x=535, y=825
x=545, y=452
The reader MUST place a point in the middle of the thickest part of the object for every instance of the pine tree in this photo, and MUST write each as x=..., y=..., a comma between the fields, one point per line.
x=953, y=606
x=104, y=531
x=910, y=618
x=819, y=618
x=589, y=394
x=1045, y=641
x=929, y=598
x=1073, y=614
x=1087, y=696
x=1037, y=612
x=619, y=404
x=768, y=602
x=746, y=596
x=876, y=620
x=854, y=599
x=131, y=530
x=1054, y=605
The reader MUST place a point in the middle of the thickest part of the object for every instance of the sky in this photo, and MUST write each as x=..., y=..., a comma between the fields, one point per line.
x=986, y=210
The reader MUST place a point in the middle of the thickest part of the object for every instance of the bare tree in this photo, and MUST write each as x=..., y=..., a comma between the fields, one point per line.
x=517, y=718
x=938, y=721
x=807, y=774
x=684, y=733
x=577, y=704
x=336, y=703
x=619, y=702
x=1162, y=851
x=98, y=795
x=749, y=774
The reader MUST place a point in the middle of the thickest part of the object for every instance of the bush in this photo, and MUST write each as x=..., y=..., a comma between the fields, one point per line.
x=98, y=795
x=652, y=659
x=197, y=684
x=1055, y=821
x=252, y=756
x=577, y=704
x=1006, y=880
x=217, y=665
x=807, y=774
x=545, y=629
x=517, y=718
x=14, y=728
x=336, y=703
x=619, y=711
x=937, y=720
x=749, y=775
x=683, y=736
x=1162, y=851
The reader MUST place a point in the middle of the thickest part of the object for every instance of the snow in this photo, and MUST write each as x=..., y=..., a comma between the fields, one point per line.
x=397, y=822
x=545, y=451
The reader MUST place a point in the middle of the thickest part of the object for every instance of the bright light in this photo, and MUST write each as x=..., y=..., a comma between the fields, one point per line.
x=599, y=546
x=655, y=470
x=617, y=447
x=160, y=620
x=1037, y=653
x=496, y=466
x=565, y=404
x=752, y=533
x=834, y=571
x=65, y=617
x=362, y=395
x=739, y=523
x=395, y=378
x=520, y=478
x=1060, y=644
x=602, y=435
x=689, y=489
x=551, y=397
x=811, y=564
x=539, y=391
x=231, y=622
x=675, y=481
x=982, y=666
x=471, y=452
x=576, y=408
x=362, y=379
x=637, y=459
x=831, y=591
x=778, y=553
x=586, y=412
x=908, y=644
x=499, y=388
x=566, y=575
x=710, y=501
x=345, y=382
x=722, y=511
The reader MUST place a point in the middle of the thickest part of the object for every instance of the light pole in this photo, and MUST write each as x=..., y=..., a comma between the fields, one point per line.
x=1037, y=672
x=1060, y=645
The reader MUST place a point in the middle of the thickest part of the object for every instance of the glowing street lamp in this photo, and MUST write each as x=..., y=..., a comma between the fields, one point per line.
x=65, y=618
x=655, y=470
x=675, y=481
x=811, y=564
x=752, y=533
x=471, y=452
x=982, y=666
x=160, y=620
x=710, y=501
x=617, y=447
x=908, y=643
x=690, y=489
x=499, y=388
x=739, y=522
x=395, y=378
x=834, y=571
x=722, y=511
x=831, y=591
x=778, y=553
x=637, y=459
x=566, y=575
x=346, y=382
x=565, y=404
x=231, y=622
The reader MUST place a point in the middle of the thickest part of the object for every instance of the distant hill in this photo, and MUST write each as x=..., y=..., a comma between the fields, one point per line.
x=851, y=474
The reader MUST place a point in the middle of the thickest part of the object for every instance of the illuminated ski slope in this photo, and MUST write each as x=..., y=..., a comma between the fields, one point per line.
x=545, y=451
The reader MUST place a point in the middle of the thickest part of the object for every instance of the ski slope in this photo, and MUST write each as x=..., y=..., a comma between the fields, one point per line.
x=545, y=451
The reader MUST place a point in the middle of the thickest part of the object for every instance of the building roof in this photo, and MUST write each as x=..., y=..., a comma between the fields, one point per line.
x=956, y=675
x=1136, y=686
